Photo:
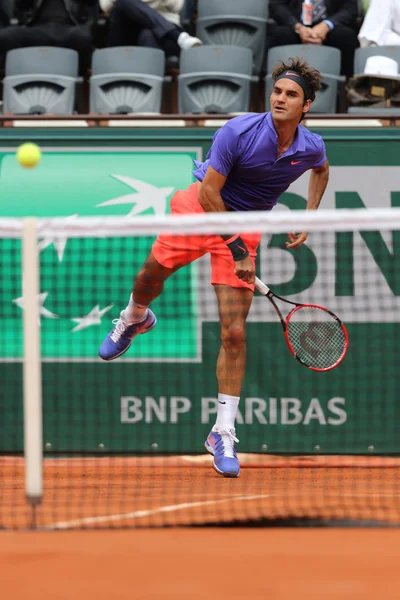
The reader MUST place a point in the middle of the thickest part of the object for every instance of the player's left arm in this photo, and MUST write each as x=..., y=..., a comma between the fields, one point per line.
x=318, y=181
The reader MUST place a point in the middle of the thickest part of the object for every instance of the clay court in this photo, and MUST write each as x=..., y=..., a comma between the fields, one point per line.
x=147, y=561
x=167, y=491
x=187, y=563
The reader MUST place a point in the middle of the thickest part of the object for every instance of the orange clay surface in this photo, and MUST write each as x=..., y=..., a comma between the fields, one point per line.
x=82, y=563
x=191, y=564
x=142, y=492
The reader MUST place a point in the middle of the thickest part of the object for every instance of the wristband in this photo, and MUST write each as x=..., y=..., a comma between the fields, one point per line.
x=237, y=247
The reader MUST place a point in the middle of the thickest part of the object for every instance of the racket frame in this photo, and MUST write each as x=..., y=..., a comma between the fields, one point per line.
x=265, y=291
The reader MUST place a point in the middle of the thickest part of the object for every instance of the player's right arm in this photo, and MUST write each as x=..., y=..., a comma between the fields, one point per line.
x=210, y=192
x=211, y=201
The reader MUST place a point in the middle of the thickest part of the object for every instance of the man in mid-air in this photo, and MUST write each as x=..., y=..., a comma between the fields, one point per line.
x=253, y=159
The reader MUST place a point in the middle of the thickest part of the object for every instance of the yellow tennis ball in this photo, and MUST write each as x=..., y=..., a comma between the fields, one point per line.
x=28, y=155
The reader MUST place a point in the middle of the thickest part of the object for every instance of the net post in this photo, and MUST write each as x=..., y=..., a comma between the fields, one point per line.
x=32, y=376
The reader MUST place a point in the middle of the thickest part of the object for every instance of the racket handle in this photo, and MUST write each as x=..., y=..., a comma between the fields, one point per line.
x=261, y=287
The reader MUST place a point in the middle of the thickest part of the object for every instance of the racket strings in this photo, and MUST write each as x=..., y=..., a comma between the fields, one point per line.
x=316, y=337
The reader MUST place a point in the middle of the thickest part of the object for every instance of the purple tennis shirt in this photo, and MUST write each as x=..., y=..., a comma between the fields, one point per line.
x=245, y=151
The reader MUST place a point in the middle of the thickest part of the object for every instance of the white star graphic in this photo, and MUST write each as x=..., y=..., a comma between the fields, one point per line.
x=42, y=310
x=59, y=242
x=147, y=196
x=92, y=318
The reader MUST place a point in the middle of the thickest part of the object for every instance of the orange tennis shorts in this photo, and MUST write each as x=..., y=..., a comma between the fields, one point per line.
x=178, y=250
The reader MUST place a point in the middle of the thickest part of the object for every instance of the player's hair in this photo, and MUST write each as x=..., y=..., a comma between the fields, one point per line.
x=300, y=66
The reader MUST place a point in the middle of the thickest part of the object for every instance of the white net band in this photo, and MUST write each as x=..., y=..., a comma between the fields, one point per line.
x=387, y=219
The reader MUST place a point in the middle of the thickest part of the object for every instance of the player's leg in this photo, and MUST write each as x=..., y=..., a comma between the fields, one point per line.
x=148, y=285
x=137, y=318
x=234, y=301
x=233, y=305
x=169, y=253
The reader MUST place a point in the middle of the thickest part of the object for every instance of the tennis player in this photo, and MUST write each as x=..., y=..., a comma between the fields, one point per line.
x=252, y=161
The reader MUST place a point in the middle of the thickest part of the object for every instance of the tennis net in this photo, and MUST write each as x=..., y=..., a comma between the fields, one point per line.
x=86, y=443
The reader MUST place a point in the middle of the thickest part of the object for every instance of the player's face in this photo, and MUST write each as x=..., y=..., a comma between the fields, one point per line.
x=287, y=101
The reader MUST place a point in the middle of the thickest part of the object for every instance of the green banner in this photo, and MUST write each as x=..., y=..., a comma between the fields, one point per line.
x=161, y=395
x=96, y=183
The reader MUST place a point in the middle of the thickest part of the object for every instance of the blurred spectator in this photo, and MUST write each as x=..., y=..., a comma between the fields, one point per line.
x=381, y=26
x=62, y=23
x=151, y=23
x=331, y=22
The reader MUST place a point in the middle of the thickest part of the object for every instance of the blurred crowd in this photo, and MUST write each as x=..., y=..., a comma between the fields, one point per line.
x=170, y=25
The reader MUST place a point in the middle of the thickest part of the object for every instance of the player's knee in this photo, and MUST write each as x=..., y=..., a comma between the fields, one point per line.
x=233, y=338
x=148, y=277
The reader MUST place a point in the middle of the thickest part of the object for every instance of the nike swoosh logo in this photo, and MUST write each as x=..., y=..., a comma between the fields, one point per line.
x=296, y=162
x=244, y=252
x=219, y=402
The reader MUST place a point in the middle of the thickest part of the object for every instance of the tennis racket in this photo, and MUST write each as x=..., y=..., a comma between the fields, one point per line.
x=315, y=336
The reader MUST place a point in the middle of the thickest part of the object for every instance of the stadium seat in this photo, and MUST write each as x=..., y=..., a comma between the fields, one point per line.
x=362, y=54
x=215, y=79
x=127, y=79
x=360, y=58
x=40, y=80
x=325, y=59
x=234, y=23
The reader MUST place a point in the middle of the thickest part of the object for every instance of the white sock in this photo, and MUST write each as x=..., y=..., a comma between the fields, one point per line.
x=134, y=312
x=227, y=409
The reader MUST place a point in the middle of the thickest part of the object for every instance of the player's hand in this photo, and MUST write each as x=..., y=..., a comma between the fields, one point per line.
x=245, y=270
x=296, y=239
